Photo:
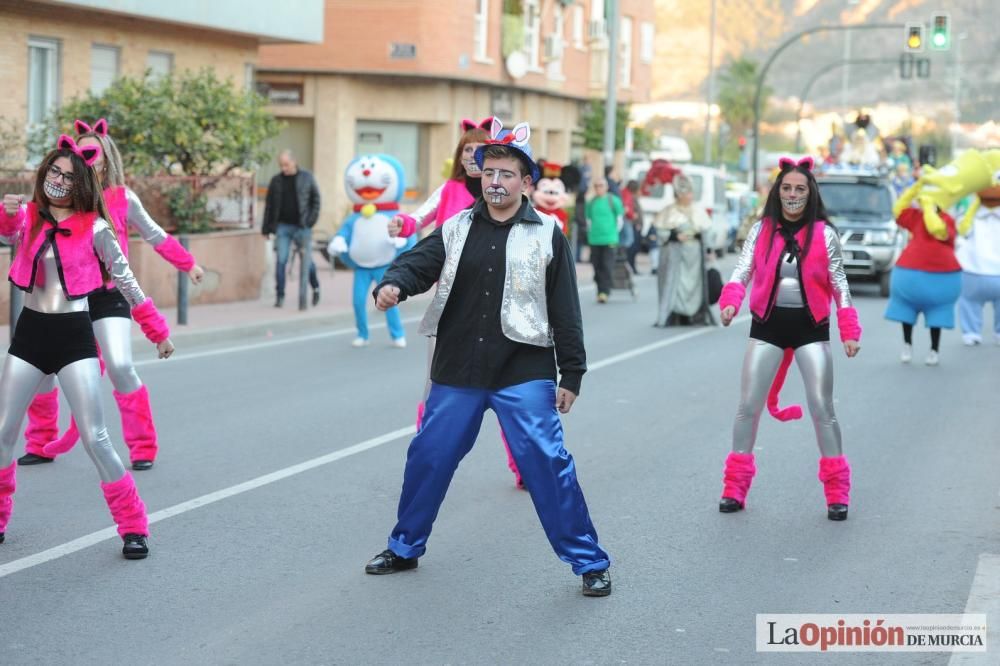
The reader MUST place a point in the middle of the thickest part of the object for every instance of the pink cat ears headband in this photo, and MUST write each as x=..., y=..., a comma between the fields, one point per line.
x=100, y=128
x=786, y=163
x=89, y=154
x=467, y=124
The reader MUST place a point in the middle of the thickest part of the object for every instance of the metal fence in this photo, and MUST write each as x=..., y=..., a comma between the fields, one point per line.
x=230, y=200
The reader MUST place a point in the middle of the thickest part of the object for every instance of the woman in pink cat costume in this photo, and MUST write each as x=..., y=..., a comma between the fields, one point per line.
x=112, y=322
x=455, y=195
x=67, y=249
x=794, y=261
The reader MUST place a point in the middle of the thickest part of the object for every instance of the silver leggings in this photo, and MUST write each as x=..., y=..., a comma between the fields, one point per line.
x=114, y=335
x=80, y=381
x=760, y=364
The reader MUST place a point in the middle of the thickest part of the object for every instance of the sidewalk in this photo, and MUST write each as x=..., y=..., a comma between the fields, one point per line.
x=250, y=320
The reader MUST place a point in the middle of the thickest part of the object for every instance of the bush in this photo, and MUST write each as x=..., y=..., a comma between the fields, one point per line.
x=189, y=123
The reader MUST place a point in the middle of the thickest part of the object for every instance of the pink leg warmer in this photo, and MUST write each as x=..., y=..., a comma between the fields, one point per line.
x=127, y=509
x=835, y=474
x=738, y=475
x=7, y=485
x=511, y=465
x=43, y=422
x=137, y=424
x=65, y=443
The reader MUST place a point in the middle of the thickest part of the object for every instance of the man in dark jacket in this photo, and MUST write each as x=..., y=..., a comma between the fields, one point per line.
x=290, y=212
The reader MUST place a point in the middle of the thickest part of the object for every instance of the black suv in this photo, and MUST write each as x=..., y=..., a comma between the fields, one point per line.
x=861, y=208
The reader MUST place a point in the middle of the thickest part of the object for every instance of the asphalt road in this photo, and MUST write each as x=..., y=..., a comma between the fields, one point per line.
x=271, y=571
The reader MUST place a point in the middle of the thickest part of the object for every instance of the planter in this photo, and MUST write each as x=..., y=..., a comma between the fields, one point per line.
x=234, y=261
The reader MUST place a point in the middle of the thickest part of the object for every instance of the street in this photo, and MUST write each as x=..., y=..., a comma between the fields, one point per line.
x=281, y=463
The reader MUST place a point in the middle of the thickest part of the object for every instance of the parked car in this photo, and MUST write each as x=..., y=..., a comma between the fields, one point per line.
x=860, y=206
x=710, y=192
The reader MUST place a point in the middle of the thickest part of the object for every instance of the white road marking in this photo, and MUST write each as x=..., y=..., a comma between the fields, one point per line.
x=984, y=597
x=101, y=535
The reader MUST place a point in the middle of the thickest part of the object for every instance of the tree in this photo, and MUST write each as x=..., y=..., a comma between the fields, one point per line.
x=189, y=124
x=593, y=125
x=737, y=85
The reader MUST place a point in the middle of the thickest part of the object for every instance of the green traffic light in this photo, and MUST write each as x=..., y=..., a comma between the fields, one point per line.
x=940, y=39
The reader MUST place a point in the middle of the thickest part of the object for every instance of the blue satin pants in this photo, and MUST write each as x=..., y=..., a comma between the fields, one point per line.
x=528, y=416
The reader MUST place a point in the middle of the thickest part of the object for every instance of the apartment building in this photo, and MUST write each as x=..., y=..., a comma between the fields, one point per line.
x=396, y=76
x=54, y=50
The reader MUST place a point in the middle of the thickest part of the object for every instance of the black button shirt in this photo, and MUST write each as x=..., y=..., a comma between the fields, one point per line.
x=471, y=349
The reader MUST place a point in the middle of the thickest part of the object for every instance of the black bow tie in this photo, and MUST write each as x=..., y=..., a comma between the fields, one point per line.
x=54, y=227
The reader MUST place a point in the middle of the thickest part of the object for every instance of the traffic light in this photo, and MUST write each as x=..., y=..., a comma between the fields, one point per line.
x=941, y=32
x=914, y=38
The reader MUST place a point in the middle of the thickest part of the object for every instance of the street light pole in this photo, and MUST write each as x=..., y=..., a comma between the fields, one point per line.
x=611, y=102
x=711, y=88
x=755, y=157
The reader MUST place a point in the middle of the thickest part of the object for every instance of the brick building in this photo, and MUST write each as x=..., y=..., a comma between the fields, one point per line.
x=396, y=76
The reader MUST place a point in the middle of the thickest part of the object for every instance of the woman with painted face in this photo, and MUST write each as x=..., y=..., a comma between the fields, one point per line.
x=67, y=249
x=109, y=312
x=458, y=193
x=794, y=265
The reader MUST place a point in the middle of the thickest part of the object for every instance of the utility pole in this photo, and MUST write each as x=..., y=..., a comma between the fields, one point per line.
x=711, y=88
x=611, y=102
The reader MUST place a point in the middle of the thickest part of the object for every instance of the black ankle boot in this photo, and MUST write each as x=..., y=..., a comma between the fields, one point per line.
x=33, y=459
x=388, y=562
x=836, y=512
x=135, y=547
x=729, y=505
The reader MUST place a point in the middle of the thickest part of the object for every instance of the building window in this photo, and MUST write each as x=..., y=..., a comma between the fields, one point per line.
x=407, y=142
x=43, y=78
x=578, y=27
x=480, y=30
x=554, y=44
x=647, y=36
x=104, y=62
x=532, y=28
x=625, y=40
x=160, y=64
x=598, y=30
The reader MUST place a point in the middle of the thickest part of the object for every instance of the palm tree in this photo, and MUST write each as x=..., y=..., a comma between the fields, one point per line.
x=737, y=84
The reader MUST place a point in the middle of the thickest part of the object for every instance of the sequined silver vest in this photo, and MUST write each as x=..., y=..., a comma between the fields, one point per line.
x=523, y=310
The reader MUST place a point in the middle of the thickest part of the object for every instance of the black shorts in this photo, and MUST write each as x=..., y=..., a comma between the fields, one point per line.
x=50, y=342
x=108, y=303
x=789, y=327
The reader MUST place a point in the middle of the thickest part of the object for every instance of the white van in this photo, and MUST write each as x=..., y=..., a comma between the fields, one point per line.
x=709, y=191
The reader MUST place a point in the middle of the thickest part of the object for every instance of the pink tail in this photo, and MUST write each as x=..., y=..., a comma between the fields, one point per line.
x=137, y=424
x=791, y=412
x=127, y=509
x=65, y=443
x=7, y=486
x=738, y=475
x=43, y=422
x=420, y=415
x=835, y=474
x=511, y=465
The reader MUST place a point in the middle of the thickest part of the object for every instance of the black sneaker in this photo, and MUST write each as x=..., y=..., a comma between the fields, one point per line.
x=142, y=465
x=597, y=583
x=388, y=562
x=315, y=297
x=135, y=547
x=279, y=301
x=33, y=459
x=1, y=537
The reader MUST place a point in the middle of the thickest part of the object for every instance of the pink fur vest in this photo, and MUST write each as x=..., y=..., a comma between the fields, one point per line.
x=79, y=267
x=117, y=203
x=815, y=272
